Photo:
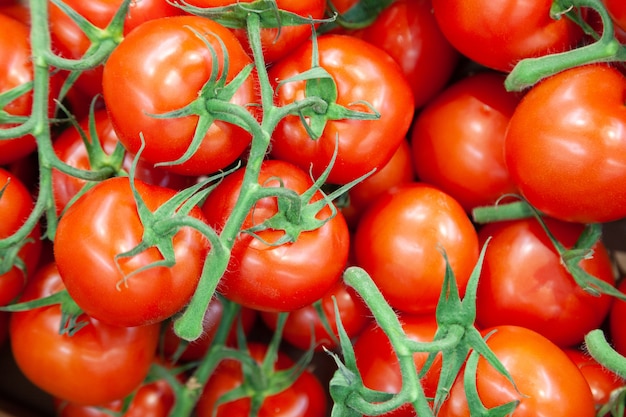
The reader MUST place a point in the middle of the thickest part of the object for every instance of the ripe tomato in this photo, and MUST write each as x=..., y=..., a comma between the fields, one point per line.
x=378, y=364
x=70, y=148
x=160, y=67
x=151, y=400
x=16, y=204
x=16, y=69
x=457, y=140
x=104, y=223
x=399, y=170
x=578, y=134
x=524, y=283
x=499, y=34
x=617, y=9
x=408, y=31
x=71, y=42
x=362, y=73
x=304, y=324
x=546, y=378
x=398, y=242
x=98, y=364
x=601, y=381
x=617, y=318
x=284, y=277
x=197, y=349
x=304, y=398
x=276, y=42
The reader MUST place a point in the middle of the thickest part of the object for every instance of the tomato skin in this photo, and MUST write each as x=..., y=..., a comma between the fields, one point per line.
x=524, y=283
x=601, y=381
x=397, y=242
x=378, y=363
x=304, y=398
x=617, y=10
x=276, y=43
x=106, y=217
x=161, y=66
x=96, y=355
x=151, y=400
x=71, y=42
x=353, y=312
x=499, y=34
x=408, y=31
x=579, y=132
x=69, y=147
x=457, y=140
x=546, y=378
x=399, y=170
x=16, y=204
x=285, y=277
x=617, y=318
x=362, y=72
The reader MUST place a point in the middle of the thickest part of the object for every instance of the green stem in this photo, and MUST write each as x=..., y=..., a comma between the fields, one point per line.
x=598, y=347
x=531, y=70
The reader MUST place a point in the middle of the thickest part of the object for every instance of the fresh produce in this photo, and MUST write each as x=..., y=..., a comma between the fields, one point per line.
x=314, y=208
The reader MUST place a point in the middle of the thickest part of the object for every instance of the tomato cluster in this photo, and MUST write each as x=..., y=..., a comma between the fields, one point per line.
x=298, y=208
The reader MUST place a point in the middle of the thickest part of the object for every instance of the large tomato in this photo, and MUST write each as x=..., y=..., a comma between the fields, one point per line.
x=70, y=148
x=161, y=66
x=497, y=34
x=524, y=283
x=617, y=9
x=276, y=42
x=71, y=42
x=98, y=364
x=408, y=31
x=378, y=364
x=564, y=145
x=16, y=204
x=104, y=223
x=399, y=242
x=545, y=377
x=304, y=398
x=457, y=140
x=362, y=73
x=282, y=277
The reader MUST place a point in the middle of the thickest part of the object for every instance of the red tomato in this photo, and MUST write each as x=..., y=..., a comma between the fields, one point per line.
x=546, y=378
x=71, y=42
x=212, y=319
x=304, y=324
x=16, y=69
x=408, y=31
x=16, y=204
x=601, y=381
x=617, y=318
x=304, y=398
x=160, y=67
x=497, y=34
x=398, y=242
x=378, y=364
x=151, y=400
x=104, y=223
x=276, y=42
x=70, y=148
x=362, y=73
x=617, y=9
x=524, y=283
x=457, y=140
x=284, y=277
x=577, y=138
x=399, y=170
x=98, y=364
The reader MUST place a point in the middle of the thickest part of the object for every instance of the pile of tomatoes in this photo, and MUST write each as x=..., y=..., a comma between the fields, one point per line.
x=311, y=208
